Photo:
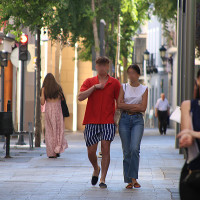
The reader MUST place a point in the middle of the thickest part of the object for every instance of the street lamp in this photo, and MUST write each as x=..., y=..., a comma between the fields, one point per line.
x=146, y=59
x=162, y=52
x=146, y=55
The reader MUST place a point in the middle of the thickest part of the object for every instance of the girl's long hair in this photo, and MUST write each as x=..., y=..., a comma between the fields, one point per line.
x=52, y=90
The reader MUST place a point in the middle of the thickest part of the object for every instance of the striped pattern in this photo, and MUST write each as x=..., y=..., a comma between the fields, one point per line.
x=97, y=132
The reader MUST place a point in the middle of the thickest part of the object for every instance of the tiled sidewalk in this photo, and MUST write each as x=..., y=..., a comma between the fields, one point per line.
x=31, y=175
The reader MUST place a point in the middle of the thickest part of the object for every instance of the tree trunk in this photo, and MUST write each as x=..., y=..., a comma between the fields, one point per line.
x=125, y=69
x=118, y=50
x=95, y=30
x=38, y=105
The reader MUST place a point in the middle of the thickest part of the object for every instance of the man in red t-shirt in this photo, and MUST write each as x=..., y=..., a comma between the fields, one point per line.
x=102, y=92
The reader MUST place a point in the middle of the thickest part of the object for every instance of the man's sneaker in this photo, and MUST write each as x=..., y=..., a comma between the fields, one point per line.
x=102, y=185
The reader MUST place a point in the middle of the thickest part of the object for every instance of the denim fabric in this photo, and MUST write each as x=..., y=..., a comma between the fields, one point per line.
x=131, y=128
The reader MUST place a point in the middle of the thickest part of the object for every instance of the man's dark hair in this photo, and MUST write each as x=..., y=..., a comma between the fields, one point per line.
x=198, y=73
x=134, y=67
x=102, y=60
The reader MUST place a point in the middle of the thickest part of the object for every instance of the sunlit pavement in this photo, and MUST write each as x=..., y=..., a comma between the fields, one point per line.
x=29, y=174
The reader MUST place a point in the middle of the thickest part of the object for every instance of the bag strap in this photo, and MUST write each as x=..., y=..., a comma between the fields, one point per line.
x=125, y=87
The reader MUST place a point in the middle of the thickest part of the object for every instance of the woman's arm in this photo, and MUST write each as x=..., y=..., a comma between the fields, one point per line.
x=185, y=138
x=42, y=97
x=134, y=107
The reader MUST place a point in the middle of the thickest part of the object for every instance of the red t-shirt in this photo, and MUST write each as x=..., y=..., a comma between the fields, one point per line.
x=101, y=103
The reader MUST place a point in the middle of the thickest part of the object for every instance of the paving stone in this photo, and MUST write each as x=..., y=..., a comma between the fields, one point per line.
x=29, y=174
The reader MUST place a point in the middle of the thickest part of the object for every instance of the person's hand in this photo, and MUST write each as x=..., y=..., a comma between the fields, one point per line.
x=99, y=86
x=185, y=138
x=156, y=114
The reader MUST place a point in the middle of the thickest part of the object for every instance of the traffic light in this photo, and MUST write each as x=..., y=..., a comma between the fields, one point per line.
x=23, y=48
x=4, y=58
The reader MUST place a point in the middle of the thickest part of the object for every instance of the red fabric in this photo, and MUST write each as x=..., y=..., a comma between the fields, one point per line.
x=101, y=103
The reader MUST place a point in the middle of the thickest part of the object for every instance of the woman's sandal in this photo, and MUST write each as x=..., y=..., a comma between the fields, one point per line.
x=52, y=156
x=95, y=178
x=137, y=185
x=129, y=186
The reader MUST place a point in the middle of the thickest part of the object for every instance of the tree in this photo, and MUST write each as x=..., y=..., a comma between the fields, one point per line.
x=166, y=12
x=95, y=31
x=133, y=15
x=34, y=15
x=66, y=20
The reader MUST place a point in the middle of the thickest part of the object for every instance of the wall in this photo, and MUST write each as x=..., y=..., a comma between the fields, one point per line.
x=84, y=72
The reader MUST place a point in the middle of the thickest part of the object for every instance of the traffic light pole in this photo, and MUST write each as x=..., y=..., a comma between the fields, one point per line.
x=2, y=88
x=21, y=137
x=2, y=97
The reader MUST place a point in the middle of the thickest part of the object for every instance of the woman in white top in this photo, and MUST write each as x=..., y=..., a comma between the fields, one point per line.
x=133, y=103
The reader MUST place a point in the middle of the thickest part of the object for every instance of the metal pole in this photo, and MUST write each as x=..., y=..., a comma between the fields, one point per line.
x=21, y=137
x=2, y=89
x=179, y=39
x=190, y=50
x=2, y=97
x=183, y=52
x=35, y=79
x=145, y=72
x=102, y=37
x=8, y=135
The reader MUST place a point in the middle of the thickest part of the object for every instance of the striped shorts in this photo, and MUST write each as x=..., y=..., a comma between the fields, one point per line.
x=97, y=132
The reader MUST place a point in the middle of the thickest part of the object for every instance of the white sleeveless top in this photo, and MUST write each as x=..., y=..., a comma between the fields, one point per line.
x=133, y=95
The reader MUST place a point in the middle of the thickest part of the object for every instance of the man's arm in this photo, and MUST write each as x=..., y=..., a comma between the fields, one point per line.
x=156, y=108
x=156, y=112
x=85, y=94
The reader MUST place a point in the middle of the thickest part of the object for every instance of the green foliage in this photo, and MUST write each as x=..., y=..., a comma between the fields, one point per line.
x=167, y=13
x=21, y=13
x=70, y=20
x=133, y=14
x=165, y=10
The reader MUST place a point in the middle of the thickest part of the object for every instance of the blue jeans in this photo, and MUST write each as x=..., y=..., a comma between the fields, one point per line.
x=131, y=128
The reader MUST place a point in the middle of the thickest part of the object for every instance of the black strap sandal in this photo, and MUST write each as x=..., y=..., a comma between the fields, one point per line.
x=102, y=185
x=95, y=178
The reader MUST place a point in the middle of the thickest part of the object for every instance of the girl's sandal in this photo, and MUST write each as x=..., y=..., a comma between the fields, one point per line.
x=129, y=186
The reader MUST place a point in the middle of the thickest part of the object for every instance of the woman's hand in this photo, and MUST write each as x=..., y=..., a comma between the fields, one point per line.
x=185, y=138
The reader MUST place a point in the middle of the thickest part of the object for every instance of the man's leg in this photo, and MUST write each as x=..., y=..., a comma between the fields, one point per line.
x=159, y=122
x=105, y=148
x=165, y=117
x=93, y=158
